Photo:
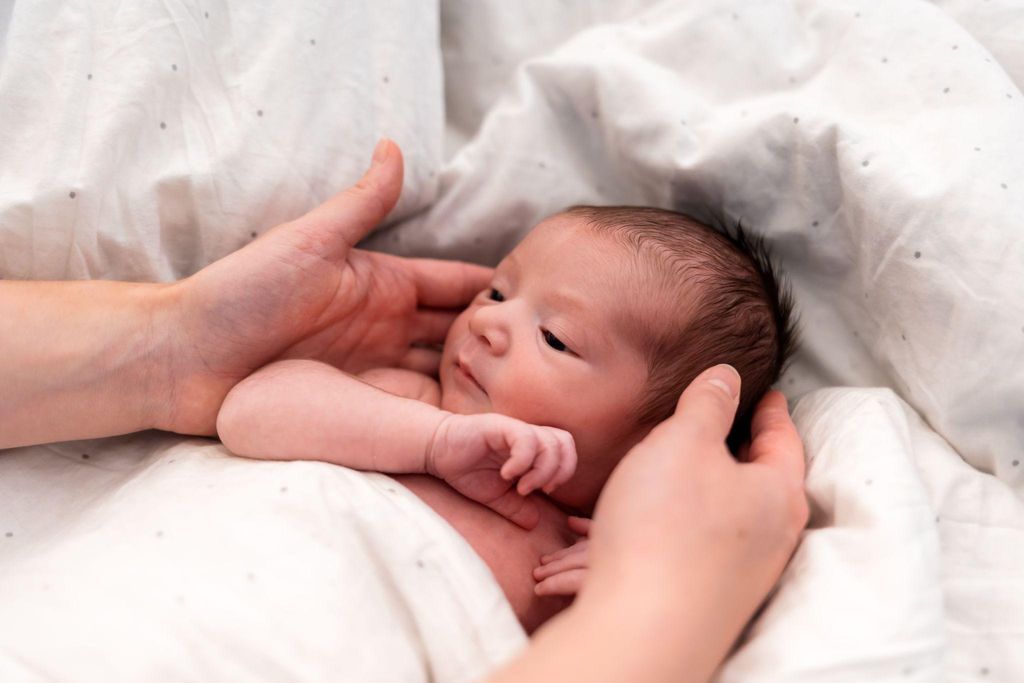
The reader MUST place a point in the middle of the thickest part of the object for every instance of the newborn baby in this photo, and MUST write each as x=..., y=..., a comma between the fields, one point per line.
x=591, y=328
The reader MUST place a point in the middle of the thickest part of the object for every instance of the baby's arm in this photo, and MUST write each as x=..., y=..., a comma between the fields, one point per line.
x=407, y=383
x=307, y=410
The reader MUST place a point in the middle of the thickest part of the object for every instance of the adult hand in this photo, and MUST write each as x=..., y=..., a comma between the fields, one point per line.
x=685, y=544
x=303, y=291
x=681, y=522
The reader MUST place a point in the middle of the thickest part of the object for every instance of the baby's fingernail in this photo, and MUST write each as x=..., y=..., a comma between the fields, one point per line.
x=726, y=378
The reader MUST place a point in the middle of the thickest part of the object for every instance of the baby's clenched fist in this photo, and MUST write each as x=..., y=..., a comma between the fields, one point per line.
x=498, y=460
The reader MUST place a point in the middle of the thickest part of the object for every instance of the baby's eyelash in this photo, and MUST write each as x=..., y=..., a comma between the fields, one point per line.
x=554, y=342
x=495, y=291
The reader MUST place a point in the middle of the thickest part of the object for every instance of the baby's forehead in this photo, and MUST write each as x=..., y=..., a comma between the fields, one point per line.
x=610, y=259
x=625, y=292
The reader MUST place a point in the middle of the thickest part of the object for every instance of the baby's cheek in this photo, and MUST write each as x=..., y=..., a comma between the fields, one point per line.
x=524, y=394
x=457, y=332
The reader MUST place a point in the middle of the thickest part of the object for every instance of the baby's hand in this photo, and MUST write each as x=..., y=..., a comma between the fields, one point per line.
x=562, y=572
x=482, y=456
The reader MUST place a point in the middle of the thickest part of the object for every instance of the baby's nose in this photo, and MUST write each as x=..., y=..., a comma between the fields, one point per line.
x=487, y=326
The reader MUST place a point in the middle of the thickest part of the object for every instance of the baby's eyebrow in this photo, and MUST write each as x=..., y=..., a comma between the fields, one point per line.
x=589, y=332
x=569, y=301
x=512, y=261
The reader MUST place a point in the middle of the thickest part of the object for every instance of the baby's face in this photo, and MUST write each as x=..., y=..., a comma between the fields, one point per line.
x=545, y=344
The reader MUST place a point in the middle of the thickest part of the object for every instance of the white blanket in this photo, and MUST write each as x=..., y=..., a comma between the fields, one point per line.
x=156, y=558
x=878, y=146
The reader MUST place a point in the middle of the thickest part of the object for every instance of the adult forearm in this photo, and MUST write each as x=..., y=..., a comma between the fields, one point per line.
x=79, y=360
x=650, y=636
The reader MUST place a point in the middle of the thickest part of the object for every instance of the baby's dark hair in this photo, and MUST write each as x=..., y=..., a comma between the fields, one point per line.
x=732, y=301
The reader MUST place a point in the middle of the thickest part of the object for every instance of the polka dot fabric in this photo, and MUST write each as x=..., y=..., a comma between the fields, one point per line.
x=879, y=147
x=162, y=558
x=144, y=140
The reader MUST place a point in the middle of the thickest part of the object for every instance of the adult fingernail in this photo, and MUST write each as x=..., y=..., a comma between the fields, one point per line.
x=380, y=152
x=726, y=378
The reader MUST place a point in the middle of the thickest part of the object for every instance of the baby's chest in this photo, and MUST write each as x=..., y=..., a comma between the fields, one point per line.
x=509, y=551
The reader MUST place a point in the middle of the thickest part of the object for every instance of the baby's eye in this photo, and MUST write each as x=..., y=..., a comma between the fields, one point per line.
x=495, y=295
x=553, y=342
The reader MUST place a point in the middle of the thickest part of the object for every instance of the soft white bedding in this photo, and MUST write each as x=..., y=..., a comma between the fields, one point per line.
x=878, y=146
x=156, y=558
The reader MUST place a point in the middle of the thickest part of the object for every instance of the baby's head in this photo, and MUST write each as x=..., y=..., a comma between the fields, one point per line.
x=601, y=316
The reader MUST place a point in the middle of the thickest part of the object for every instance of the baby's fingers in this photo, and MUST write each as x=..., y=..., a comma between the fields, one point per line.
x=574, y=560
x=518, y=510
x=579, y=525
x=566, y=583
x=544, y=465
x=524, y=447
x=576, y=548
x=566, y=461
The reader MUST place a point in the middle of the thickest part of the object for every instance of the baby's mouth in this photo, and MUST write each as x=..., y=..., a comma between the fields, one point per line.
x=467, y=376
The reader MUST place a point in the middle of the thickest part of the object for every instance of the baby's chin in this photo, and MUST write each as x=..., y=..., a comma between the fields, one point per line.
x=455, y=400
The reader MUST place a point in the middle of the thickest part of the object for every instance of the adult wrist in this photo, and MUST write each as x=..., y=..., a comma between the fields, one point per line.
x=181, y=400
x=608, y=636
x=100, y=375
x=671, y=627
x=158, y=357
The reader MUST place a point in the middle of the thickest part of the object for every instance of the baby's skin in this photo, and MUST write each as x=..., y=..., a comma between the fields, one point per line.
x=537, y=381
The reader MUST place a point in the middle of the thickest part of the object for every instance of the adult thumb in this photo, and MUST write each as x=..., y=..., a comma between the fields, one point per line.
x=350, y=215
x=706, y=409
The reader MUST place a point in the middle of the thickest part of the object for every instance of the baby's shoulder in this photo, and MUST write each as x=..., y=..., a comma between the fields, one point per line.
x=405, y=383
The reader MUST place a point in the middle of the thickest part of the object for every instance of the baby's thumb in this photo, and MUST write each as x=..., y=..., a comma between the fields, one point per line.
x=521, y=511
x=350, y=215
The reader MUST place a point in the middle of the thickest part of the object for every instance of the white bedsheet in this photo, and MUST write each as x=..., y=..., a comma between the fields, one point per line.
x=879, y=147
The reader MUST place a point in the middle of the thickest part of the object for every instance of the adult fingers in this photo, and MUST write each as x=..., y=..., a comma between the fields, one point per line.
x=447, y=284
x=774, y=440
x=347, y=217
x=424, y=361
x=704, y=412
x=431, y=326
